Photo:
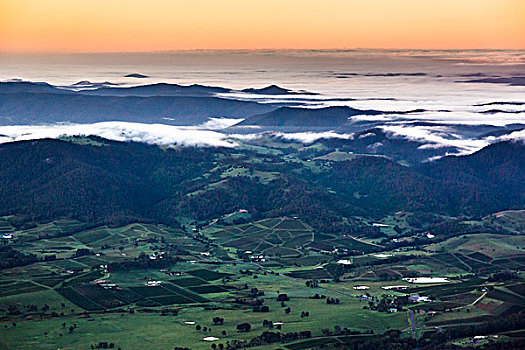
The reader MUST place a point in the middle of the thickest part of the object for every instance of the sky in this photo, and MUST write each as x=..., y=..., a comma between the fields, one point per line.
x=158, y=25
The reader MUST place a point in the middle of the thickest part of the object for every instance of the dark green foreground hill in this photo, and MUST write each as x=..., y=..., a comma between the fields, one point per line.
x=101, y=181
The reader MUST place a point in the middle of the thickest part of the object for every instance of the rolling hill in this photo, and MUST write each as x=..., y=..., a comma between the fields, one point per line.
x=116, y=182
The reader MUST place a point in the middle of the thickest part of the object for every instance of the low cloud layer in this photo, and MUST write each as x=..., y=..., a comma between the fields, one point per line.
x=513, y=136
x=436, y=137
x=428, y=136
x=310, y=137
x=219, y=123
x=159, y=134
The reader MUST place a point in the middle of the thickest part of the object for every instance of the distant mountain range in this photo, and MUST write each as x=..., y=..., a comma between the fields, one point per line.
x=29, y=87
x=512, y=81
x=86, y=102
x=36, y=103
x=29, y=103
x=160, y=89
x=38, y=108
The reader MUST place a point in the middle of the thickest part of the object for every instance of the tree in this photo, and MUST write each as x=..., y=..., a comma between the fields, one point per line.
x=283, y=297
x=244, y=327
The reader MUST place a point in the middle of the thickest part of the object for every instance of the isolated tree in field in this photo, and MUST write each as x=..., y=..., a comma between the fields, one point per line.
x=218, y=320
x=268, y=324
x=283, y=297
x=244, y=327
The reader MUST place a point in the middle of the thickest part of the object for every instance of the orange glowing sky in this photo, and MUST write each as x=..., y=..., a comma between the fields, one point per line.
x=147, y=25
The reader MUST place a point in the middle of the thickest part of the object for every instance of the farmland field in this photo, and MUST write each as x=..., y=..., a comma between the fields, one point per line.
x=128, y=278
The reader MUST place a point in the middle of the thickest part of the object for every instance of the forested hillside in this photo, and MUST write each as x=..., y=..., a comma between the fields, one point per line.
x=103, y=181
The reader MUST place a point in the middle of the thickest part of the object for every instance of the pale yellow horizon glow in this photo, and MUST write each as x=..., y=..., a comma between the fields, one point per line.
x=156, y=25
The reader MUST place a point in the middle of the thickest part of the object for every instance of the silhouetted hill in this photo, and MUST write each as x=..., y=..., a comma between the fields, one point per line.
x=306, y=117
x=110, y=183
x=136, y=75
x=36, y=108
x=111, y=89
x=512, y=81
x=160, y=89
x=29, y=87
x=86, y=84
x=276, y=90
x=380, y=187
x=500, y=166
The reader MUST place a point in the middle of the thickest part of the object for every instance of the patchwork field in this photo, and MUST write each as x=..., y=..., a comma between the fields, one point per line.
x=155, y=282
